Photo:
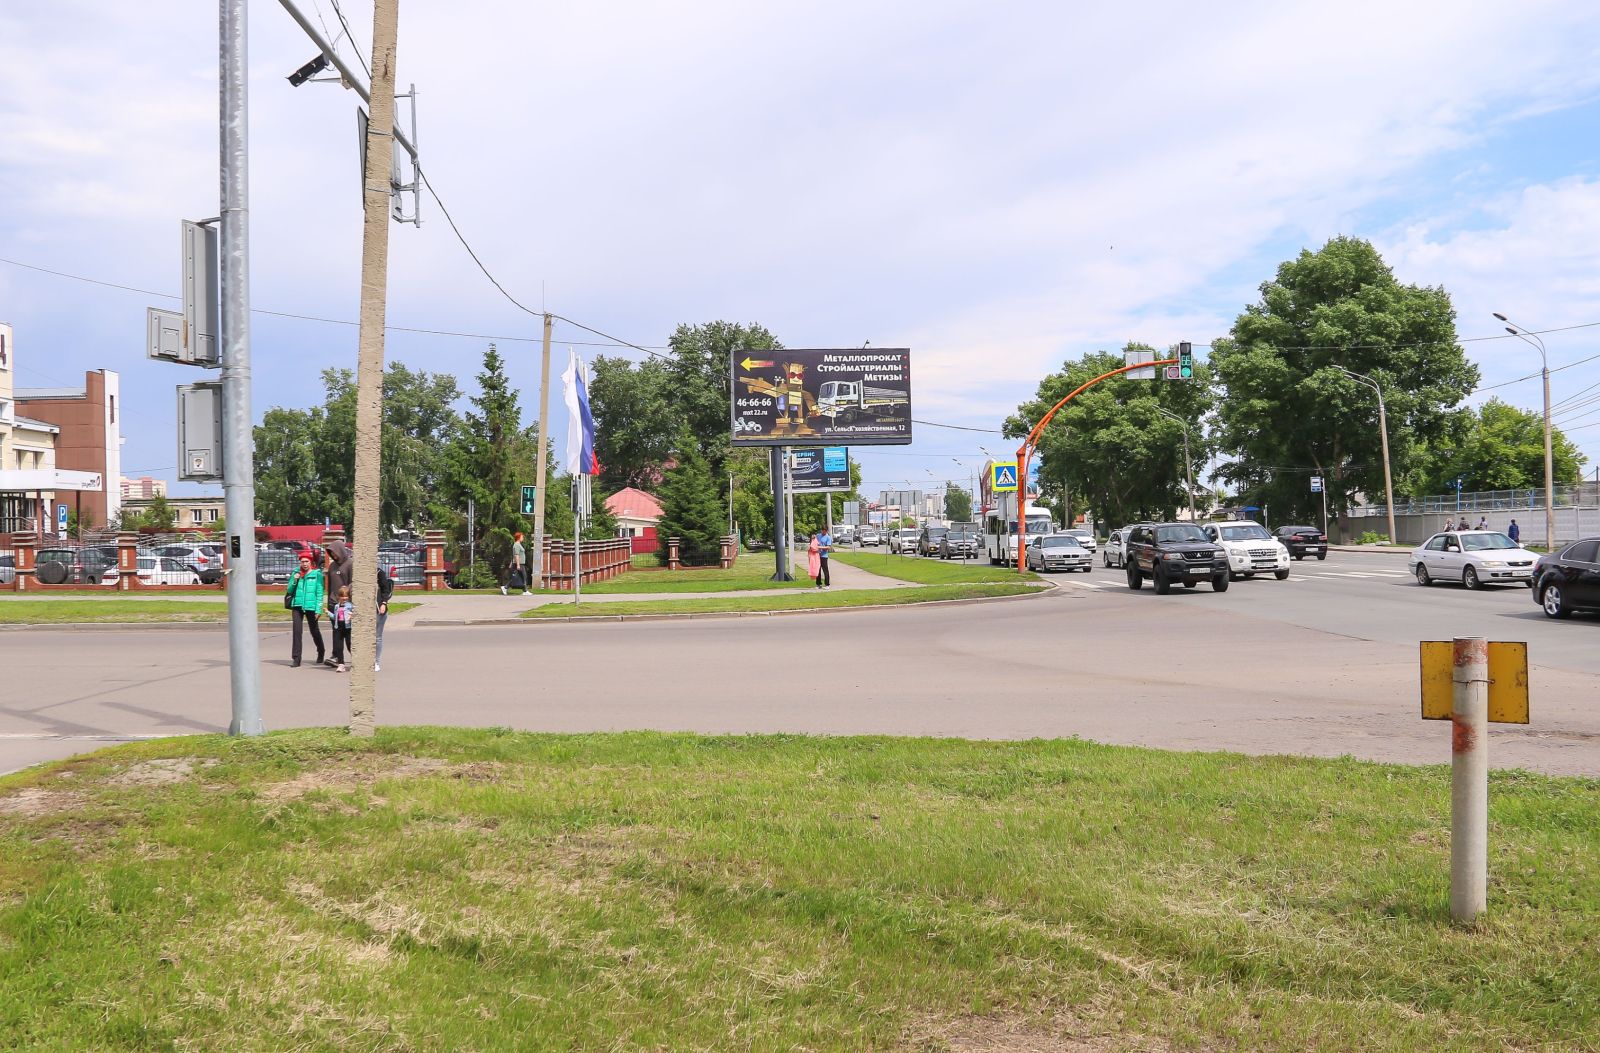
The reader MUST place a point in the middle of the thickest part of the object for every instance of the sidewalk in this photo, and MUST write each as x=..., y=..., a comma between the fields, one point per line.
x=1389, y=549
x=453, y=605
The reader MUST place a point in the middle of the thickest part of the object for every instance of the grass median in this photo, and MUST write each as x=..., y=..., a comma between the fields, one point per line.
x=931, y=571
x=814, y=599
x=446, y=889
x=89, y=612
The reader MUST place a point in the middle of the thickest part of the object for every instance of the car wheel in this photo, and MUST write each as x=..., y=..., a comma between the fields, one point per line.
x=1553, y=603
x=1251, y=576
x=1190, y=584
x=1422, y=575
x=1322, y=555
x=1219, y=583
x=1088, y=570
x=1135, y=579
x=1469, y=578
x=1302, y=556
x=1158, y=579
x=1281, y=575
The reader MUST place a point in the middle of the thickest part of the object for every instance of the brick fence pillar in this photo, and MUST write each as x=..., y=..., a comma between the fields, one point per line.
x=673, y=562
x=23, y=548
x=730, y=551
x=433, y=567
x=128, y=561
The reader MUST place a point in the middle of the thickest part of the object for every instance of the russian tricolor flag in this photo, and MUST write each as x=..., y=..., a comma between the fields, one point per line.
x=580, y=422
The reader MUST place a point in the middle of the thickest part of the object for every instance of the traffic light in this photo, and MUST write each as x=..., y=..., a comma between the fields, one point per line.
x=1185, y=361
x=527, y=500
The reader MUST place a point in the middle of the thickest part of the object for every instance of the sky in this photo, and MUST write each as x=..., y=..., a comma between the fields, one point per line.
x=998, y=189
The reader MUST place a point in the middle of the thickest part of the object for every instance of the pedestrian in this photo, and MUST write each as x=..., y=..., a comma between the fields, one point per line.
x=1483, y=522
x=342, y=614
x=814, y=559
x=306, y=596
x=517, y=576
x=385, y=590
x=340, y=572
x=1514, y=532
x=824, y=550
x=1449, y=524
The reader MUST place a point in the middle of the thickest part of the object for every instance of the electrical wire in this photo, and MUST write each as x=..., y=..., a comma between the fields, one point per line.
x=351, y=37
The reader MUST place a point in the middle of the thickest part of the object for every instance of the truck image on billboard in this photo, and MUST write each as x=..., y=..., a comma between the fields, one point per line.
x=856, y=396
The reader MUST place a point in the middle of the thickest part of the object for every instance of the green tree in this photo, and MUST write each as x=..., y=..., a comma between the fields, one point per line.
x=698, y=381
x=1500, y=447
x=635, y=421
x=1291, y=412
x=158, y=515
x=1111, y=450
x=485, y=462
x=692, y=508
x=957, y=504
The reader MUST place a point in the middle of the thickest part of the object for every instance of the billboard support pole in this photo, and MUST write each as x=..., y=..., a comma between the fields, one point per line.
x=780, y=544
x=788, y=498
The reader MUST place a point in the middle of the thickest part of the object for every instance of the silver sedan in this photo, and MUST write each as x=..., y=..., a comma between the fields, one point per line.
x=1058, y=552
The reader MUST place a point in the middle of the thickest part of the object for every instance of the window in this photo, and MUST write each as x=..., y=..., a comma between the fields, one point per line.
x=1436, y=543
x=211, y=515
x=194, y=514
x=1582, y=552
x=113, y=409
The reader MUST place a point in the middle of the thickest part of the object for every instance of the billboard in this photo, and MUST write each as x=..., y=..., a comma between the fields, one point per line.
x=820, y=471
x=860, y=396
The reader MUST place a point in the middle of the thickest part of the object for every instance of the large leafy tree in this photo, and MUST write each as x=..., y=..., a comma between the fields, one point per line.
x=487, y=462
x=1499, y=447
x=692, y=508
x=636, y=420
x=1111, y=451
x=1290, y=412
x=698, y=380
x=957, y=503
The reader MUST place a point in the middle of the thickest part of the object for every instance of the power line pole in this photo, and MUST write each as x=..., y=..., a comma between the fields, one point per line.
x=539, y=465
x=238, y=457
x=369, y=367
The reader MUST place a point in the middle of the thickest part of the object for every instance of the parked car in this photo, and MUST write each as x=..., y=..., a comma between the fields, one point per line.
x=1085, y=537
x=275, y=566
x=1174, y=554
x=1251, y=550
x=1058, y=552
x=76, y=566
x=1569, y=580
x=204, y=560
x=8, y=568
x=1474, y=558
x=1303, y=541
x=164, y=570
x=1115, y=554
x=960, y=542
x=903, y=540
x=928, y=540
x=869, y=536
x=404, y=568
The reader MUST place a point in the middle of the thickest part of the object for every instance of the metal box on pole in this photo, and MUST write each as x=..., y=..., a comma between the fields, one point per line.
x=163, y=334
x=201, y=295
x=200, y=432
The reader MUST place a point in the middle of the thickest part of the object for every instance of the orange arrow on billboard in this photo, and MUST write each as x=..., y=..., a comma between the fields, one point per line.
x=750, y=364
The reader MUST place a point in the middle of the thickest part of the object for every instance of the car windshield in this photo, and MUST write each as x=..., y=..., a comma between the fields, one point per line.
x=937, y=531
x=1179, y=532
x=1252, y=532
x=1081, y=533
x=1061, y=542
x=1481, y=542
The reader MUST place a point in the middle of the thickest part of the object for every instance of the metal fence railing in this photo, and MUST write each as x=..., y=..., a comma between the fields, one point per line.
x=1582, y=494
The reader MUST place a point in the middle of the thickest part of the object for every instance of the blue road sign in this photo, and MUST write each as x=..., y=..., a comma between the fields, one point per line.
x=61, y=520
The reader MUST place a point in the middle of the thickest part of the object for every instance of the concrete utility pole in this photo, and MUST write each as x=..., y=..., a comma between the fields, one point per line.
x=238, y=457
x=1383, y=435
x=1549, y=460
x=369, y=369
x=1188, y=462
x=537, y=562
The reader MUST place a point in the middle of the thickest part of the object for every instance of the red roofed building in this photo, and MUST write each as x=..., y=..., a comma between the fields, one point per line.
x=637, y=514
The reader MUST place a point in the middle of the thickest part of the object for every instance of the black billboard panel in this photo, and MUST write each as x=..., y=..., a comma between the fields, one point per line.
x=856, y=396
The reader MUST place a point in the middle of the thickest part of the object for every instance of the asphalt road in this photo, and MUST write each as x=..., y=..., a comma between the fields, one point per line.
x=1323, y=664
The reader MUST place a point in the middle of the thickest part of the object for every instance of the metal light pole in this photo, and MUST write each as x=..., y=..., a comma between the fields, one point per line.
x=1188, y=462
x=1549, y=461
x=1383, y=432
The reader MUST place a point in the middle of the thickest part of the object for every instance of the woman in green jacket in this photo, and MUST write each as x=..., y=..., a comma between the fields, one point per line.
x=307, y=596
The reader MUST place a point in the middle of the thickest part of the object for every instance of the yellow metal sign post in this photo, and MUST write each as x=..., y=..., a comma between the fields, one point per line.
x=1471, y=682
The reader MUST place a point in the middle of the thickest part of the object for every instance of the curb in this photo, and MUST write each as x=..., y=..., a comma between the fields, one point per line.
x=1388, y=550
x=453, y=622
x=128, y=627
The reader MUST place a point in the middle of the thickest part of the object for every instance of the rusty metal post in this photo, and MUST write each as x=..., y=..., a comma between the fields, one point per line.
x=1469, y=779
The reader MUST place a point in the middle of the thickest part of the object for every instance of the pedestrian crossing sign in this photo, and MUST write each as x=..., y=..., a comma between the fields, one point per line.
x=1003, y=477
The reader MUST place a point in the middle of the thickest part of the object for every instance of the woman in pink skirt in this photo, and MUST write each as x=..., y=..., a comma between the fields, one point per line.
x=814, y=560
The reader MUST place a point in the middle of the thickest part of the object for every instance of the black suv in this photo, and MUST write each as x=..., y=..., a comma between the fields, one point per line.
x=928, y=543
x=1175, y=554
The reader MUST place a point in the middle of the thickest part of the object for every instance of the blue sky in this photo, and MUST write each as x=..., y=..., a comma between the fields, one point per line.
x=998, y=189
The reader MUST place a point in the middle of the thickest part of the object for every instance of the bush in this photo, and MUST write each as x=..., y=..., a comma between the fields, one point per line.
x=477, y=576
x=1372, y=537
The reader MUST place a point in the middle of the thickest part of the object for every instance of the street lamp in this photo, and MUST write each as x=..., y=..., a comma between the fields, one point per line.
x=1549, y=461
x=1383, y=432
x=1188, y=462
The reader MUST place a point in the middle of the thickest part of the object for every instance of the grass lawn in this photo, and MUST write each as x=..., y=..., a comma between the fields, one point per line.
x=57, y=612
x=804, y=600
x=451, y=889
x=748, y=572
x=930, y=571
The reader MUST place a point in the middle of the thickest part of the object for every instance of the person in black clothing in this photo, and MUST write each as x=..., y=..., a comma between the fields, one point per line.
x=385, y=590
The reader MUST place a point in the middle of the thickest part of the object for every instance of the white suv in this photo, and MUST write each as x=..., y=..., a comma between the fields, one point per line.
x=1251, y=549
x=903, y=541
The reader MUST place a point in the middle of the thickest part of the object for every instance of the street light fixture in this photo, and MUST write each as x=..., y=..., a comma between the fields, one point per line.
x=1188, y=462
x=1383, y=431
x=1549, y=461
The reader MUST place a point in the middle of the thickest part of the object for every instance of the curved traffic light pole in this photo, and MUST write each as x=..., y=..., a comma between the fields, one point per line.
x=1029, y=444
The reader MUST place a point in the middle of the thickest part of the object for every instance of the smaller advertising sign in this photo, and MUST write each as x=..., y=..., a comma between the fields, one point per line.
x=820, y=470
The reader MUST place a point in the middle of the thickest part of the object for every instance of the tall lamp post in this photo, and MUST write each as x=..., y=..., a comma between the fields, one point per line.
x=1188, y=462
x=1383, y=432
x=1549, y=461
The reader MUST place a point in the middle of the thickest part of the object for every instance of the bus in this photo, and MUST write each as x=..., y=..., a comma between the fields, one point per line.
x=1000, y=527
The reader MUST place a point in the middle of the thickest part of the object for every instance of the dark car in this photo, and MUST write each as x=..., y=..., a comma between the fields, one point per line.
x=1303, y=541
x=1175, y=554
x=928, y=540
x=77, y=566
x=959, y=543
x=275, y=566
x=1569, y=580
